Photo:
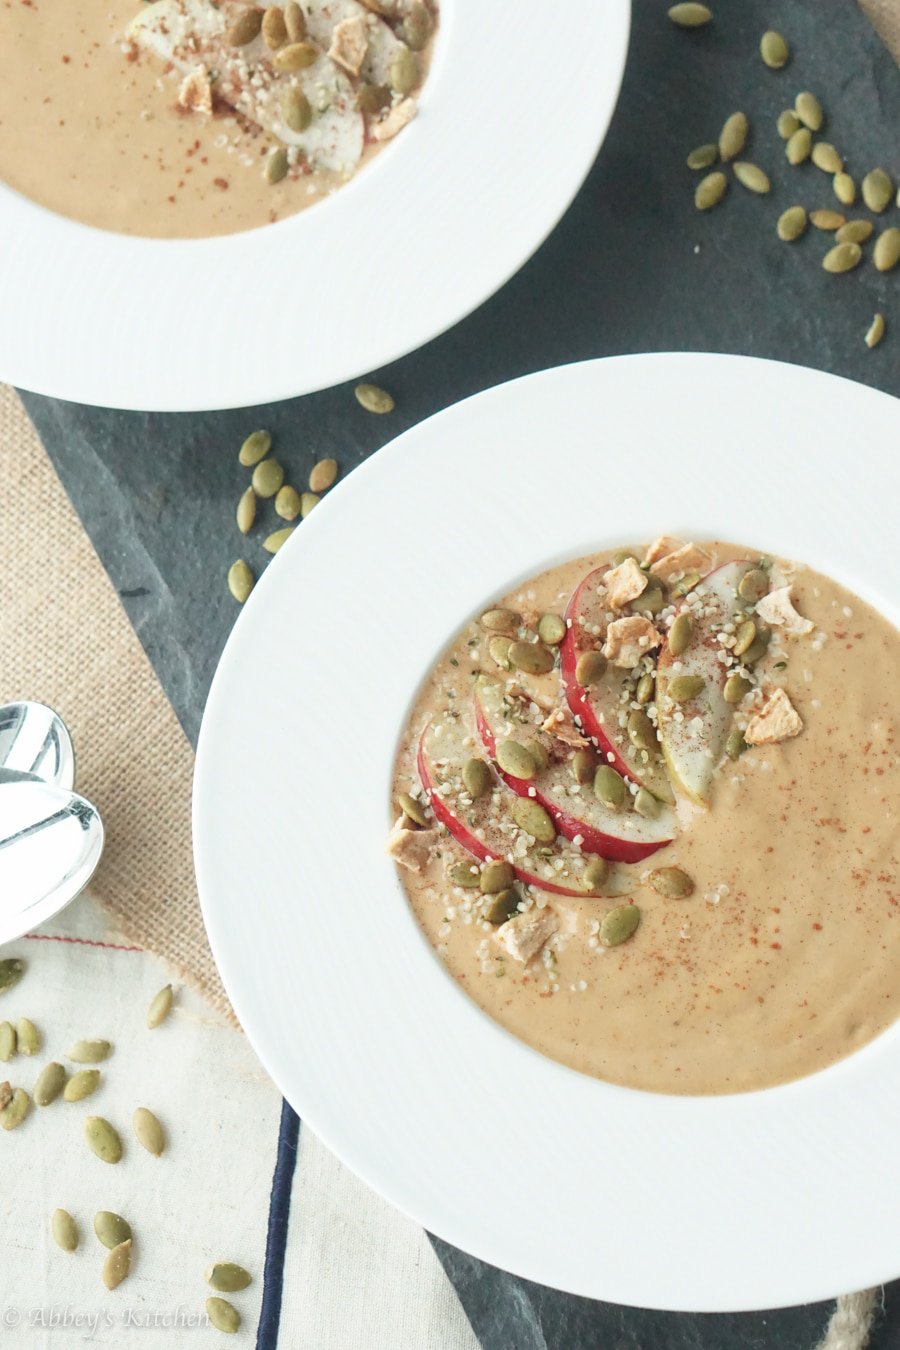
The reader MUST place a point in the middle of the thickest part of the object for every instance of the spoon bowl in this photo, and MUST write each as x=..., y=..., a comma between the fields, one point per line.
x=35, y=740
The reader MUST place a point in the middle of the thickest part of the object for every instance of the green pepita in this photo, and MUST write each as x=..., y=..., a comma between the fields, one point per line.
x=277, y=539
x=323, y=475
x=792, y=223
x=686, y=584
x=842, y=258
x=496, y=876
x=680, y=634
x=267, y=478
x=671, y=882
x=8, y=1042
x=773, y=49
x=404, y=73
x=245, y=514
x=223, y=1315
x=855, y=232
x=538, y=754
x=296, y=109
x=877, y=190
x=735, y=745
x=710, y=190
x=646, y=804
x=753, y=585
x=89, y=1052
x=82, y=1084
x=809, y=110
x=148, y=1131
x=50, y=1083
x=596, y=873
x=759, y=646
x=295, y=56
x=111, y=1229
x=646, y=687
x=373, y=399
x=15, y=1110
x=11, y=971
x=103, y=1139
x=464, y=874
x=226, y=1277
x=274, y=28
x=590, y=667
x=886, y=253
x=641, y=731
x=498, y=647
x=799, y=146
x=308, y=502
x=477, y=778
x=501, y=906
x=703, y=157
x=551, y=629
x=412, y=809
x=501, y=620
x=27, y=1036
x=64, y=1230
x=827, y=220
x=417, y=26
x=531, y=657
x=373, y=98
x=294, y=21
x=844, y=188
x=117, y=1265
x=826, y=158
x=650, y=601
x=584, y=764
x=619, y=925
x=744, y=637
x=531, y=817
x=733, y=136
x=609, y=786
x=240, y=580
x=690, y=14
x=788, y=122
x=751, y=176
x=274, y=170
x=683, y=688
x=876, y=331
x=255, y=447
x=516, y=760
x=736, y=688
x=245, y=27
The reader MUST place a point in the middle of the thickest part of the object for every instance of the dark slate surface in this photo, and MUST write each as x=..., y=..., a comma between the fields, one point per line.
x=631, y=268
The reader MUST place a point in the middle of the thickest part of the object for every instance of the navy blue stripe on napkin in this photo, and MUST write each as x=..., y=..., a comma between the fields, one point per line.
x=276, y=1235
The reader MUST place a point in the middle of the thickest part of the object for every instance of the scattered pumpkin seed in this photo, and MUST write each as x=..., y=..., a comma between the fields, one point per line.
x=827, y=220
x=877, y=190
x=736, y=686
x=245, y=27
x=64, y=1230
x=596, y=873
x=373, y=399
x=855, y=232
x=584, y=764
x=372, y=98
x=27, y=1036
x=15, y=1110
x=404, y=73
x=226, y=1277
x=294, y=21
x=538, y=754
x=650, y=601
x=464, y=874
x=686, y=584
x=753, y=585
x=792, y=223
x=619, y=925
x=82, y=1084
x=117, y=1265
x=287, y=503
x=8, y=1042
x=296, y=109
x=751, y=176
x=689, y=14
x=551, y=629
x=412, y=809
x=516, y=760
x=501, y=906
x=735, y=745
x=246, y=511
x=323, y=475
x=680, y=634
x=641, y=731
x=531, y=657
x=682, y=688
x=308, y=502
x=89, y=1052
x=733, y=136
x=498, y=647
x=826, y=158
x=274, y=28
x=267, y=478
x=646, y=804
x=703, y=157
x=744, y=637
x=645, y=688
x=799, y=146
x=876, y=331
x=788, y=122
x=609, y=786
x=223, y=1315
x=276, y=166
x=590, y=667
x=531, y=817
x=295, y=56
x=6, y=1095
x=277, y=539
x=773, y=49
x=255, y=447
x=240, y=580
x=671, y=882
x=501, y=620
x=844, y=188
x=11, y=971
x=759, y=646
x=103, y=1139
x=710, y=191
x=50, y=1083
x=111, y=1229
x=809, y=110
x=842, y=258
x=417, y=27
x=477, y=778
x=148, y=1131
x=886, y=253
x=496, y=876
x=160, y=1007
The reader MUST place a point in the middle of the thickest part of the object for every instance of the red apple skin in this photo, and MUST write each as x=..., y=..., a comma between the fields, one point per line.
x=576, y=694
x=593, y=840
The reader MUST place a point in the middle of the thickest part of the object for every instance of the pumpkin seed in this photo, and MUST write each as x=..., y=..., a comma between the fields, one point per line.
x=809, y=110
x=296, y=109
x=689, y=14
x=710, y=191
x=372, y=98
x=89, y=1052
x=403, y=74
x=11, y=971
x=498, y=647
x=117, y=1265
x=102, y=1139
x=275, y=168
x=82, y=1084
x=227, y=1277
x=735, y=745
x=799, y=146
x=6, y=1095
x=274, y=28
x=609, y=786
x=255, y=447
x=308, y=502
x=148, y=1131
x=531, y=817
x=844, y=188
x=417, y=27
x=645, y=688
x=590, y=667
x=294, y=21
x=530, y=657
x=477, y=778
x=246, y=511
x=671, y=882
x=825, y=157
x=50, y=1083
x=412, y=809
x=641, y=731
x=855, y=232
x=323, y=475
x=827, y=220
x=111, y=1229
x=886, y=253
x=736, y=687
x=15, y=1110
x=680, y=634
x=240, y=580
x=8, y=1041
x=792, y=223
x=682, y=688
x=288, y=503
x=753, y=585
x=751, y=176
x=788, y=122
x=245, y=27
x=267, y=478
x=516, y=760
x=64, y=1230
x=584, y=764
x=538, y=754
x=551, y=629
x=686, y=584
x=223, y=1315
x=646, y=804
x=744, y=637
x=877, y=190
x=596, y=873
x=277, y=539
x=876, y=331
x=501, y=620
x=295, y=56
x=619, y=924
x=842, y=258
x=760, y=645
x=496, y=876
x=703, y=157
x=373, y=399
x=774, y=50
x=502, y=906
x=733, y=135
x=464, y=874
x=27, y=1036
x=650, y=601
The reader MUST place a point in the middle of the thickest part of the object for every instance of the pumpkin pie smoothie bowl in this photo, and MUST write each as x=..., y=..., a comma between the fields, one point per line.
x=193, y=118
x=648, y=817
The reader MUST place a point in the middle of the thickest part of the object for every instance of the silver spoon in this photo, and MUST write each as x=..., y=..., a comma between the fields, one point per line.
x=35, y=740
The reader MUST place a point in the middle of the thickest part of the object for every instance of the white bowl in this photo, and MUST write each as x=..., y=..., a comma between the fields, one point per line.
x=511, y=117
x=769, y=1198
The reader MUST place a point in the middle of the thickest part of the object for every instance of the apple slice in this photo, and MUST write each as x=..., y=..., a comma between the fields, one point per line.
x=323, y=16
x=597, y=707
x=621, y=836
x=693, y=734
